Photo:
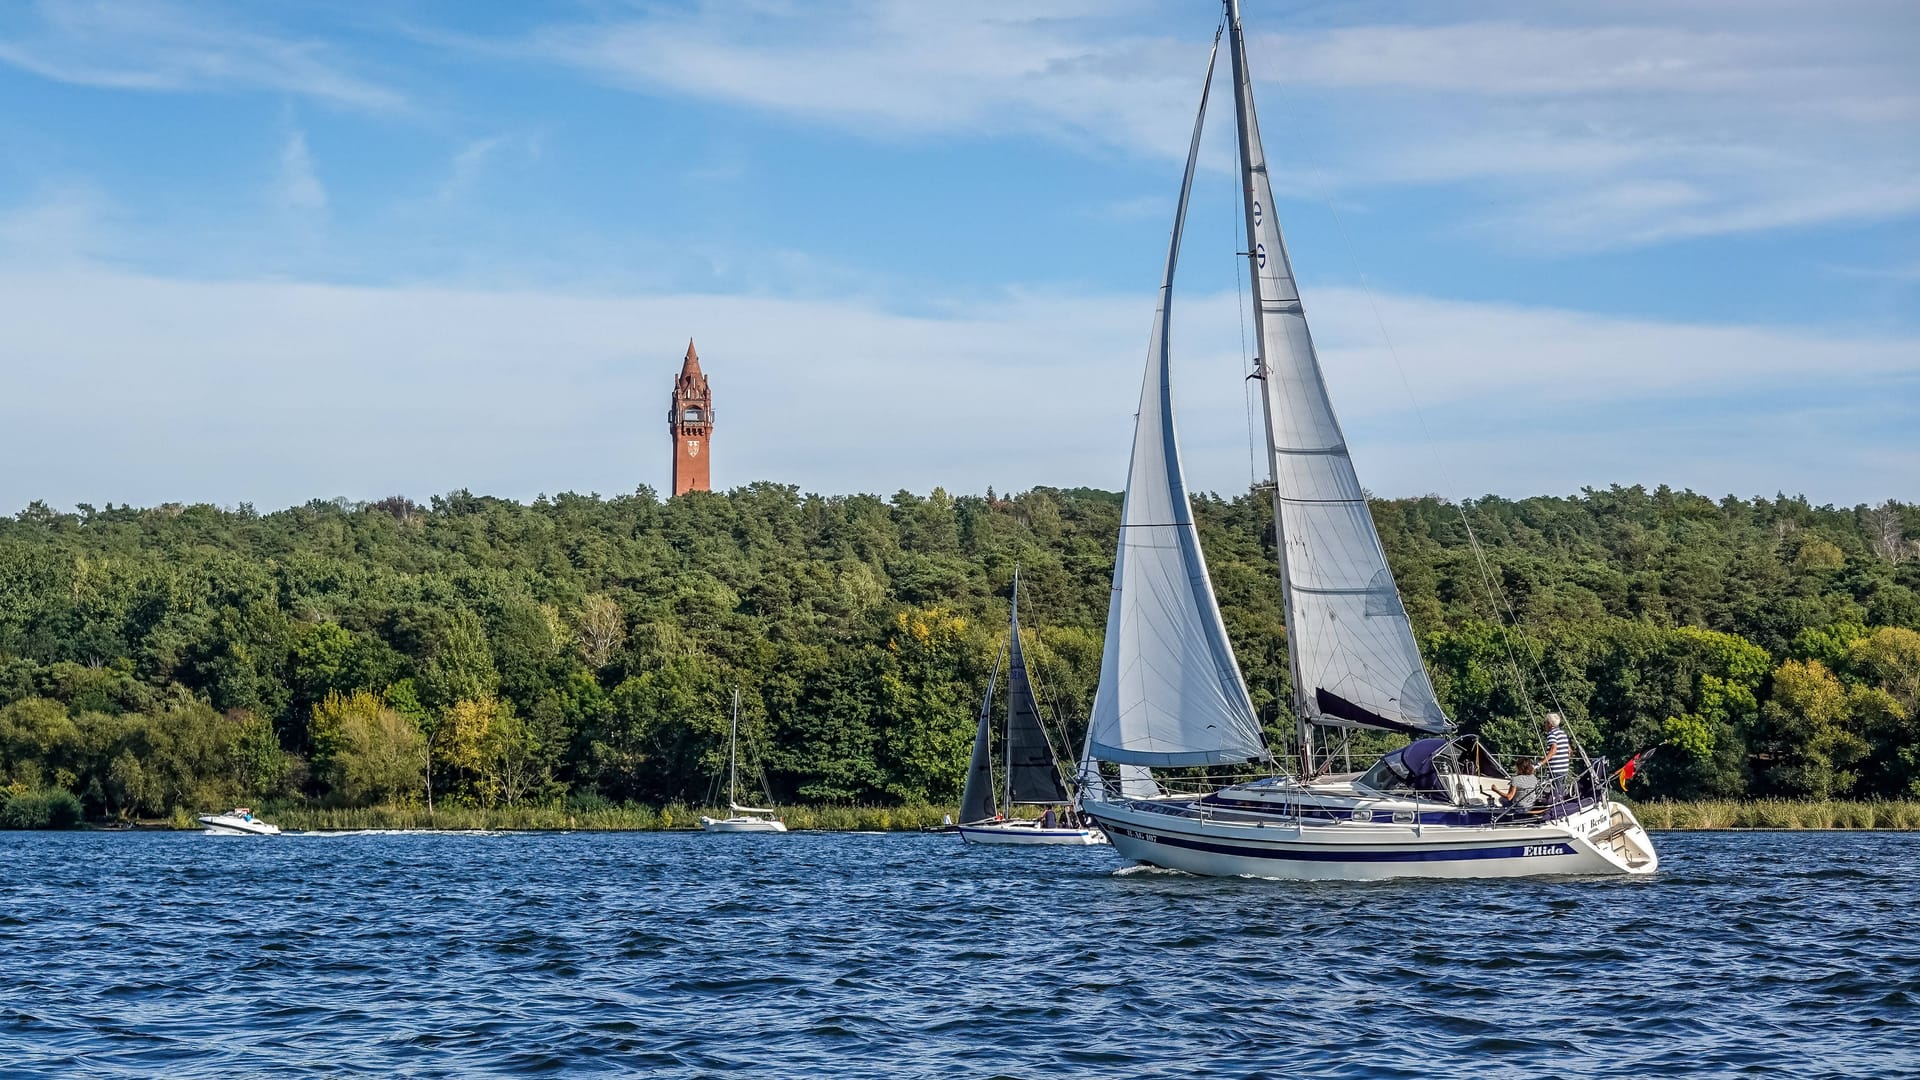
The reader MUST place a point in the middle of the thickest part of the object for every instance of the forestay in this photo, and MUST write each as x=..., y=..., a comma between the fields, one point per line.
x=1170, y=693
x=1353, y=652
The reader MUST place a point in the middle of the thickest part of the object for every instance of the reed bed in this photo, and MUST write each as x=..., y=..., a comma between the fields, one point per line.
x=1705, y=814
x=1779, y=814
x=607, y=818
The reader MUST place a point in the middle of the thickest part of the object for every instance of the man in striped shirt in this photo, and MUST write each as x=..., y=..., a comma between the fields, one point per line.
x=1559, y=756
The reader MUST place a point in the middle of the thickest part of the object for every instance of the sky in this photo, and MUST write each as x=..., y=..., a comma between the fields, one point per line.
x=271, y=253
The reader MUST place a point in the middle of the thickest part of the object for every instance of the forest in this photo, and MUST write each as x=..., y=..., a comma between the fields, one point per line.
x=582, y=651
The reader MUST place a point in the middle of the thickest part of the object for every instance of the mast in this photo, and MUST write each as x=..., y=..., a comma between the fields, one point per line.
x=1006, y=745
x=733, y=752
x=1350, y=647
x=1242, y=107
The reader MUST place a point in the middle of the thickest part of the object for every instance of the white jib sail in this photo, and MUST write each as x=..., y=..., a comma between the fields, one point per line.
x=1170, y=692
x=1353, y=649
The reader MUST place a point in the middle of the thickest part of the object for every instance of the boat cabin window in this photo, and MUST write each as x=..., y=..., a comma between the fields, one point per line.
x=1389, y=774
x=1414, y=769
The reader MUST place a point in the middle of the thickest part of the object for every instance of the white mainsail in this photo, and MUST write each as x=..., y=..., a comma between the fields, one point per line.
x=1352, y=650
x=1170, y=693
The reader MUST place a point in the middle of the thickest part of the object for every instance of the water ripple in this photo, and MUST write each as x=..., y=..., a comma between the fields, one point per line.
x=887, y=956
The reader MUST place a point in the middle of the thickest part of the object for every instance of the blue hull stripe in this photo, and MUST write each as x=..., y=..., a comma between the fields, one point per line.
x=1515, y=851
x=1475, y=817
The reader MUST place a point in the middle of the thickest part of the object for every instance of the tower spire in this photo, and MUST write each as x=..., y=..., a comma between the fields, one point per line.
x=690, y=419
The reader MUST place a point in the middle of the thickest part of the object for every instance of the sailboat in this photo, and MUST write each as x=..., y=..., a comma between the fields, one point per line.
x=1031, y=776
x=1171, y=694
x=745, y=818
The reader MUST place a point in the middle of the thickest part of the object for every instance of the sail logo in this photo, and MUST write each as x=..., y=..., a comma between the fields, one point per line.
x=1260, y=255
x=1545, y=849
x=1256, y=211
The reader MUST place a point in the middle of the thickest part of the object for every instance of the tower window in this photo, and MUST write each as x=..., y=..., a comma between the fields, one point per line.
x=692, y=415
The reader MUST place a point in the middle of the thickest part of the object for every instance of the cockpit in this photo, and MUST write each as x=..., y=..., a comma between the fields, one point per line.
x=1449, y=770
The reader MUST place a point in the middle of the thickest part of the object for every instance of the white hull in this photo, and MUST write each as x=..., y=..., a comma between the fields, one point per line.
x=228, y=825
x=1602, y=839
x=742, y=824
x=1028, y=833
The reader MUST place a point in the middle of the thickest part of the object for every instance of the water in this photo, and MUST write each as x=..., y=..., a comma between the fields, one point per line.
x=908, y=955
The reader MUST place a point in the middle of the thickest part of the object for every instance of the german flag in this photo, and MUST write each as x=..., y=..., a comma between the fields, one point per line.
x=1632, y=766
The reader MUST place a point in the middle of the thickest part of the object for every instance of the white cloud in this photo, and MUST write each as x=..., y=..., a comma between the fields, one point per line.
x=1589, y=127
x=116, y=386
x=474, y=158
x=894, y=67
x=156, y=46
x=1622, y=126
x=300, y=189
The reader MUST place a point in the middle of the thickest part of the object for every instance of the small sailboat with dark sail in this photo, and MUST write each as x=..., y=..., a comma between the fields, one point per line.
x=1171, y=695
x=1031, y=776
x=745, y=818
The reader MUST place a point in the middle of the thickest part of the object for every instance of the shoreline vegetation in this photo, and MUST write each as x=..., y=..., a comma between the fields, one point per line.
x=1692, y=816
x=1705, y=815
x=581, y=652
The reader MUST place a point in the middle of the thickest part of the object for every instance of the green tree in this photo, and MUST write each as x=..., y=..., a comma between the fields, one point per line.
x=1803, y=740
x=364, y=749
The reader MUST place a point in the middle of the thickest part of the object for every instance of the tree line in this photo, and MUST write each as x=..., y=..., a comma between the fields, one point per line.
x=481, y=651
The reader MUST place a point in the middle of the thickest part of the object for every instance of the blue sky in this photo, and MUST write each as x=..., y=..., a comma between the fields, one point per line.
x=268, y=253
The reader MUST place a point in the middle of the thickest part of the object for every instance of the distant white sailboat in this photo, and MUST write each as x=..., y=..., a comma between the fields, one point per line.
x=1032, y=776
x=745, y=818
x=1171, y=693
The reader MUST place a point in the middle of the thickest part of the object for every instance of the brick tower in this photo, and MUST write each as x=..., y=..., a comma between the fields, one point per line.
x=691, y=421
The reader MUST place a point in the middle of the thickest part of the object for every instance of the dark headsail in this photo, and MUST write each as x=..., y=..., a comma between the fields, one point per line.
x=1032, y=776
x=976, y=802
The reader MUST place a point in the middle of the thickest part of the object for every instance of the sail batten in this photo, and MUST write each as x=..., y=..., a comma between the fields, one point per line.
x=1170, y=691
x=1348, y=637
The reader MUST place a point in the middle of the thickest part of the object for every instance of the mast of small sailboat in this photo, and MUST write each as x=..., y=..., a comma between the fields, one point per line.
x=1006, y=744
x=733, y=753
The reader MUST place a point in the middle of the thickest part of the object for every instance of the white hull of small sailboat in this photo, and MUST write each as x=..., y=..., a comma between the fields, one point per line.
x=742, y=824
x=1028, y=833
x=1177, y=835
x=745, y=819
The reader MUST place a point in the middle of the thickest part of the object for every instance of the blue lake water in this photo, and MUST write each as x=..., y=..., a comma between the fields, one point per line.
x=909, y=955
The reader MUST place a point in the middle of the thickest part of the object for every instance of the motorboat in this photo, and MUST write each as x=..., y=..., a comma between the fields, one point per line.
x=238, y=821
x=745, y=819
x=1171, y=699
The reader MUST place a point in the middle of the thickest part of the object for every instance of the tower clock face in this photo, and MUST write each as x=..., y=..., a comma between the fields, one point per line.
x=693, y=447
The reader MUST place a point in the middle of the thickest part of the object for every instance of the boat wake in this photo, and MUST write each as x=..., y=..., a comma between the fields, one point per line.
x=1143, y=870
